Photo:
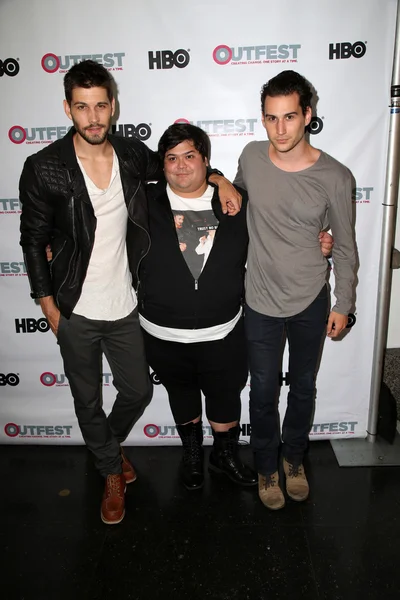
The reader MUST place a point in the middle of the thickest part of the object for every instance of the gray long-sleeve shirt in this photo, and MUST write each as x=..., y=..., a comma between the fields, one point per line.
x=286, y=212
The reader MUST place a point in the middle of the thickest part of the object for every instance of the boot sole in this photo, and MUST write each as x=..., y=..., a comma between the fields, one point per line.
x=112, y=522
x=190, y=488
x=297, y=499
x=273, y=507
x=130, y=480
x=213, y=469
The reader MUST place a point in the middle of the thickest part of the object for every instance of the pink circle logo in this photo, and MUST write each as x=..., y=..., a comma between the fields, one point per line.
x=151, y=431
x=222, y=55
x=50, y=63
x=17, y=134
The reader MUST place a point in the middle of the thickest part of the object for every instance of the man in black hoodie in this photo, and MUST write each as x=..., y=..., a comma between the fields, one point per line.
x=190, y=305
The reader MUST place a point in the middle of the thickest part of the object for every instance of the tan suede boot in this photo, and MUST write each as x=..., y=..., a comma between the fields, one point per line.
x=296, y=481
x=269, y=491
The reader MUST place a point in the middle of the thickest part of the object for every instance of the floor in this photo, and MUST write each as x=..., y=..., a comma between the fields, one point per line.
x=217, y=543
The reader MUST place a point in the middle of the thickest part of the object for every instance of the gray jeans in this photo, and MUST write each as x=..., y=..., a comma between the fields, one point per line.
x=82, y=343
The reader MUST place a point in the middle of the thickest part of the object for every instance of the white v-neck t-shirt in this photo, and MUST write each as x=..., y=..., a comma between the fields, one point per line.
x=107, y=292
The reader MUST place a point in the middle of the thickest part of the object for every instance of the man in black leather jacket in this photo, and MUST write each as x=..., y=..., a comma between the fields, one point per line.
x=78, y=195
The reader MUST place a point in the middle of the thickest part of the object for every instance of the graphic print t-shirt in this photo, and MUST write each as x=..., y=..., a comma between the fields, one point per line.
x=196, y=226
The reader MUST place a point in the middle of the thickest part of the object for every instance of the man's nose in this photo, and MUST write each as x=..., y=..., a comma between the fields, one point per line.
x=281, y=127
x=94, y=115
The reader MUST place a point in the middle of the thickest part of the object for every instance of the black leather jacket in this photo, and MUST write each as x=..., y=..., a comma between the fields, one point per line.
x=56, y=210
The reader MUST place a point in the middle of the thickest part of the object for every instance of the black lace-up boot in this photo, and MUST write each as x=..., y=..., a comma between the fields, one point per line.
x=224, y=458
x=192, y=473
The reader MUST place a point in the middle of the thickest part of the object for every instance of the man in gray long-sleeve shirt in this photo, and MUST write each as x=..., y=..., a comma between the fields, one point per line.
x=294, y=189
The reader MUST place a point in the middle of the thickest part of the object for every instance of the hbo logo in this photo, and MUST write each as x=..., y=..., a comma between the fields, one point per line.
x=9, y=67
x=154, y=378
x=315, y=126
x=10, y=379
x=141, y=131
x=346, y=50
x=31, y=325
x=166, y=59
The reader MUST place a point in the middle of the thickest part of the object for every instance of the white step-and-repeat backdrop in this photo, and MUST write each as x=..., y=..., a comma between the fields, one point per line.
x=204, y=62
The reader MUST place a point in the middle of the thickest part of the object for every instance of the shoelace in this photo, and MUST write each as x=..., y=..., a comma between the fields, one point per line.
x=270, y=482
x=114, y=485
x=192, y=451
x=294, y=471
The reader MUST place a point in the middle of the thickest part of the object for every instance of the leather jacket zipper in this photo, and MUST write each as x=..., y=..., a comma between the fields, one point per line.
x=56, y=256
x=74, y=238
x=146, y=232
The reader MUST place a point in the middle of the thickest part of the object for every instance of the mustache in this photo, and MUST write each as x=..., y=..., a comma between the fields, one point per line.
x=94, y=126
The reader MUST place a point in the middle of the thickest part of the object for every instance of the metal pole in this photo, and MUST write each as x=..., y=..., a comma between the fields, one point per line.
x=388, y=227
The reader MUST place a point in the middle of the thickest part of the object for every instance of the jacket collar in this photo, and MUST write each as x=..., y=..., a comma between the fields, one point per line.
x=68, y=158
x=67, y=150
x=68, y=155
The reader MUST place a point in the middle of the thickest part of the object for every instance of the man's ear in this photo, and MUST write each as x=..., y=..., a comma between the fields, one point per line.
x=67, y=109
x=308, y=115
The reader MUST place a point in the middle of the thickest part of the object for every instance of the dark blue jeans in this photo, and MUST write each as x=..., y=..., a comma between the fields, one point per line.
x=266, y=336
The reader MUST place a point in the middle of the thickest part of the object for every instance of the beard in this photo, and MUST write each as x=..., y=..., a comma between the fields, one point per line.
x=93, y=139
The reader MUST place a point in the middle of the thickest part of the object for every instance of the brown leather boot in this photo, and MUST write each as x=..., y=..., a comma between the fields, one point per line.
x=296, y=481
x=113, y=504
x=127, y=468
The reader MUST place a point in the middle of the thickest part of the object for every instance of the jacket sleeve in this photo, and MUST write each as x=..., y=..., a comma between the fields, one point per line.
x=36, y=227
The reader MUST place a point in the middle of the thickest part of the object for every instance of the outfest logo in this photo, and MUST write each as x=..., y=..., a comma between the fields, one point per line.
x=52, y=63
x=224, y=127
x=37, y=431
x=252, y=55
x=49, y=379
x=37, y=135
x=10, y=206
x=362, y=195
x=335, y=428
x=169, y=431
x=13, y=269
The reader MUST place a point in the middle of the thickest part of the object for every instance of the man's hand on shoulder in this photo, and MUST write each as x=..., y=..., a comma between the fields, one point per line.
x=326, y=243
x=336, y=324
x=229, y=197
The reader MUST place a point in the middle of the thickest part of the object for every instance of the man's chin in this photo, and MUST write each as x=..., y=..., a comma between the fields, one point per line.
x=95, y=139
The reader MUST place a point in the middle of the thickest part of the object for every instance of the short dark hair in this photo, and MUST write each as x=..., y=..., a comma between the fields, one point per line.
x=88, y=74
x=286, y=83
x=182, y=132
